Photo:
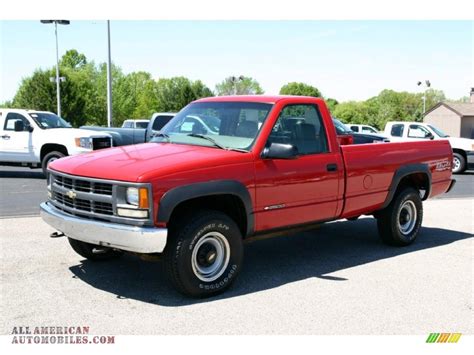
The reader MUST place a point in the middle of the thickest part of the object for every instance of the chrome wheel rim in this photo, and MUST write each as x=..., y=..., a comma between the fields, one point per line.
x=456, y=163
x=407, y=217
x=210, y=256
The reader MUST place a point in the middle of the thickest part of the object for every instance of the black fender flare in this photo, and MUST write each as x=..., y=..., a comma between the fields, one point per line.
x=402, y=172
x=177, y=195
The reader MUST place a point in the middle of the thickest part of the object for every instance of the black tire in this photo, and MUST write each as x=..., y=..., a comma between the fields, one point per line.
x=93, y=252
x=459, y=163
x=400, y=222
x=196, y=246
x=49, y=158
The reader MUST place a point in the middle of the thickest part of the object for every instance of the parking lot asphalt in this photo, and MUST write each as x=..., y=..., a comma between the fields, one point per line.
x=23, y=189
x=338, y=279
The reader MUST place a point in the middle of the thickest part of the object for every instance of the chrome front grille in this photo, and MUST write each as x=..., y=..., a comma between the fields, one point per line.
x=82, y=185
x=92, y=198
x=80, y=204
x=82, y=197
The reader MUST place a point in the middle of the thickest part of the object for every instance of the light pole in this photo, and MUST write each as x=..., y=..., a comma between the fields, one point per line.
x=58, y=79
x=109, y=78
x=427, y=85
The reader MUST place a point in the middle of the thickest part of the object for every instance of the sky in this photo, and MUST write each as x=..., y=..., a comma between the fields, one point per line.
x=345, y=60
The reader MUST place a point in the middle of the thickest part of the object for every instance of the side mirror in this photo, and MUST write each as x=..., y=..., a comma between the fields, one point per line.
x=280, y=151
x=429, y=135
x=19, y=126
x=29, y=128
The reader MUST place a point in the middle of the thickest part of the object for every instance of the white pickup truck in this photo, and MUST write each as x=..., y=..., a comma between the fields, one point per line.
x=463, y=148
x=35, y=138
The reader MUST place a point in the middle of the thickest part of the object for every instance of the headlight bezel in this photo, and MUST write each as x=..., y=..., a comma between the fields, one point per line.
x=84, y=142
x=134, y=202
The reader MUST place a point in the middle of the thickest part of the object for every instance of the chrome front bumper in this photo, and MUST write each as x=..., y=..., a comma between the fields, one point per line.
x=119, y=236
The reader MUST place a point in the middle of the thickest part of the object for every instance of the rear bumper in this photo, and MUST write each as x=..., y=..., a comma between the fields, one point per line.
x=119, y=236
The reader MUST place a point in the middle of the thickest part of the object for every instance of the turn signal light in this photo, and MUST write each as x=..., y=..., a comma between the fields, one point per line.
x=143, y=198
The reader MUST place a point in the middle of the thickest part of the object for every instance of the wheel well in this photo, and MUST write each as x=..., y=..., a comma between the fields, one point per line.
x=419, y=181
x=229, y=204
x=460, y=151
x=50, y=147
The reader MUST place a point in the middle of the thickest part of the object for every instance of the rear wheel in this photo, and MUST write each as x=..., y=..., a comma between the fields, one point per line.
x=93, y=252
x=204, y=254
x=400, y=222
x=48, y=158
x=459, y=163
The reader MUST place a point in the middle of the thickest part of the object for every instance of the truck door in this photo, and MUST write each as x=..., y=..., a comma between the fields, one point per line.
x=301, y=190
x=16, y=146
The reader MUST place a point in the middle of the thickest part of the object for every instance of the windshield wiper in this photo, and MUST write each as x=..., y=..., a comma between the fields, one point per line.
x=197, y=135
x=161, y=134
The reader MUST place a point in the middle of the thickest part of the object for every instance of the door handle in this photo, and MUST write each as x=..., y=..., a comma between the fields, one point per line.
x=6, y=136
x=331, y=167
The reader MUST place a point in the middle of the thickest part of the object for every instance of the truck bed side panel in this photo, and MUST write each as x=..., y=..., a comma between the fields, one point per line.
x=370, y=169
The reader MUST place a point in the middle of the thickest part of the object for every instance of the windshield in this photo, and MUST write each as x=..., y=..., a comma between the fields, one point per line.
x=49, y=120
x=438, y=131
x=226, y=125
x=341, y=128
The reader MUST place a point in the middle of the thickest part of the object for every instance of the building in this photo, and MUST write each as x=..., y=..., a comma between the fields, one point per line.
x=455, y=119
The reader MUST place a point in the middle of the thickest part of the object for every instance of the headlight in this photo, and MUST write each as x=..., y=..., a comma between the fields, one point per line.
x=138, y=197
x=84, y=142
x=132, y=196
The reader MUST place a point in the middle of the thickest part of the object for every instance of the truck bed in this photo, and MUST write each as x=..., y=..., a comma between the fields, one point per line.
x=370, y=169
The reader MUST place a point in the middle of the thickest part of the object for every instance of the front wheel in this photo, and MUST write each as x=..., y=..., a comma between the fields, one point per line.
x=459, y=163
x=48, y=158
x=400, y=222
x=204, y=254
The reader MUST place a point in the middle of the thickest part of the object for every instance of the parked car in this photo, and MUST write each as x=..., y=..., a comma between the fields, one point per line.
x=363, y=128
x=193, y=198
x=135, y=124
x=36, y=138
x=463, y=148
x=126, y=136
x=343, y=130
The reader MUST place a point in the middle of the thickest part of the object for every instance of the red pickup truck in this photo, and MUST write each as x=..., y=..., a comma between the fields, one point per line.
x=227, y=169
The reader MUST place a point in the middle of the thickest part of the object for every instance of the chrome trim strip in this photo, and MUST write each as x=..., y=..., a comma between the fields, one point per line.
x=119, y=236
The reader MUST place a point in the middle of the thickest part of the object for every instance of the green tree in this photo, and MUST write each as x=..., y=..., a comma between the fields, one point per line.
x=39, y=92
x=300, y=89
x=238, y=86
x=72, y=59
x=175, y=93
x=352, y=112
x=331, y=103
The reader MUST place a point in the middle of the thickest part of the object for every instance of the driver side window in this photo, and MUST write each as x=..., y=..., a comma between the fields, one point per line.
x=417, y=131
x=301, y=126
x=10, y=120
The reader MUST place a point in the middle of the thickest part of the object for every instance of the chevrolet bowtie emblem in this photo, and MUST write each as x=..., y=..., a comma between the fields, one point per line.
x=71, y=194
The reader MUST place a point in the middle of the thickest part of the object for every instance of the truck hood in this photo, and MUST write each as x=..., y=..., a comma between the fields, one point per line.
x=144, y=162
x=75, y=133
x=461, y=143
